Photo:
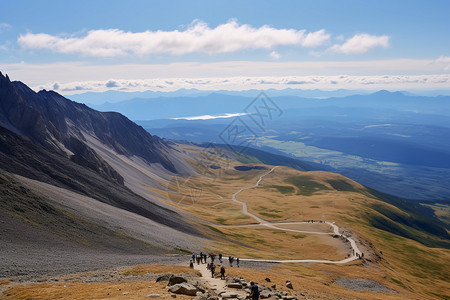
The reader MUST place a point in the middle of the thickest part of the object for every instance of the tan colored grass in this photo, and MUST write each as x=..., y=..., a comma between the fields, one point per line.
x=82, y=291
x=415, y=270
x=314, y=284
x=262, y=242
x=157, y=269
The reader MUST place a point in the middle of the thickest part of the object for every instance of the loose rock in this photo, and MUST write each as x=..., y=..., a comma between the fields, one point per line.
x=289, y=284
x=265, y=294
x=228, y=295
x=176, y=280
x=184, y=289
x=234, y=285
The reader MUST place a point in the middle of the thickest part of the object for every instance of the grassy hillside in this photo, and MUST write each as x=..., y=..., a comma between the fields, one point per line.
x=406, y=246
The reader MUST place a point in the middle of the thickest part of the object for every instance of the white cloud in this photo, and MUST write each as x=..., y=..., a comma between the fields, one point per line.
x=314, y=39
x=197, y=38
x=5, y=26
x=275, y=55
x=361, y=43
x=443, y=61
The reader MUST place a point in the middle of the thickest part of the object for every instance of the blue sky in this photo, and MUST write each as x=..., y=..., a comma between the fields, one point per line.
x=76, y=46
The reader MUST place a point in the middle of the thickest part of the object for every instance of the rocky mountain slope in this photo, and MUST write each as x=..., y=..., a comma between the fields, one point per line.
x=54, y=179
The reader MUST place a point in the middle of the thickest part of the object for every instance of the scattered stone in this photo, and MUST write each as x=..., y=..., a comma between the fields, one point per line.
x=174, y=296
x=274, y=286
x=228, y=295
x=362, y=284
x=289, y=284
x=234, y=285
x=265, y=294
x=267, y=279
x=126, y=293
x=154, y=295
x=176, y=280
x=184, y=289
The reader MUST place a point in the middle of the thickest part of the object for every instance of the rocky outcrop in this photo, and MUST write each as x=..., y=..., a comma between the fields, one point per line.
x=265, y=292
x=184, y=289
x=173, y=280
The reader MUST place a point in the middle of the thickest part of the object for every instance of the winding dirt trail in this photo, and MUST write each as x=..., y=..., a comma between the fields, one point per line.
x=272, y=225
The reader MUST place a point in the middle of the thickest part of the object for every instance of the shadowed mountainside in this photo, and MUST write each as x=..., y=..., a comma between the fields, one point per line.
x=43, y=137
x=59, y=125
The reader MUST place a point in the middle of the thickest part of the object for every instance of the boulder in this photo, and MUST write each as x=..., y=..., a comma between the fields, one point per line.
x=234, y=285
x=184, y=289
x=153, y=295
x=176, y=280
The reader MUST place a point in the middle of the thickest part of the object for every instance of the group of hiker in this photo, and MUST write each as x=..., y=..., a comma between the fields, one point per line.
x=212, y=268
x=202, y=257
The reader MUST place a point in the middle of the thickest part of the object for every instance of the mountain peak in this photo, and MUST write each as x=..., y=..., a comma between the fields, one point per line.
x=387, y=93
x=4, y=78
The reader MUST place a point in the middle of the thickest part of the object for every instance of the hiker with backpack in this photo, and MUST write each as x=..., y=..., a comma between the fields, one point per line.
x=254, y=291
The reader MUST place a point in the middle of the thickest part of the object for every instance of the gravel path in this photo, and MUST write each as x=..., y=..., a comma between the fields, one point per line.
x=353, y=255
x=361, y=284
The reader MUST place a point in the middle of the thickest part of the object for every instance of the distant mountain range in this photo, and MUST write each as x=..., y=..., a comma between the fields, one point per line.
x=111, y=96
x=389, y=141
x=99, y=98
x=219, y=104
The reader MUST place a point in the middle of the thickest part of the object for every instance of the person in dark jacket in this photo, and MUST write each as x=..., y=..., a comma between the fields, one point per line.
x=212, y=267
x=222, y=272
x=254, y=291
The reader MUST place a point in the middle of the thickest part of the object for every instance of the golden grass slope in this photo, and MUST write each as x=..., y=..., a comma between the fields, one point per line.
x=288, y=195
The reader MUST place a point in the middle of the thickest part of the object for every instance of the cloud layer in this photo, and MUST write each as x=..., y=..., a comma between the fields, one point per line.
x=391, y=82
x=197, y=38
x=77, y=77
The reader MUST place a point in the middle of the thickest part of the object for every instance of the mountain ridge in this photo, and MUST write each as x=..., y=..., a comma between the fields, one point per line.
x=59, y=123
